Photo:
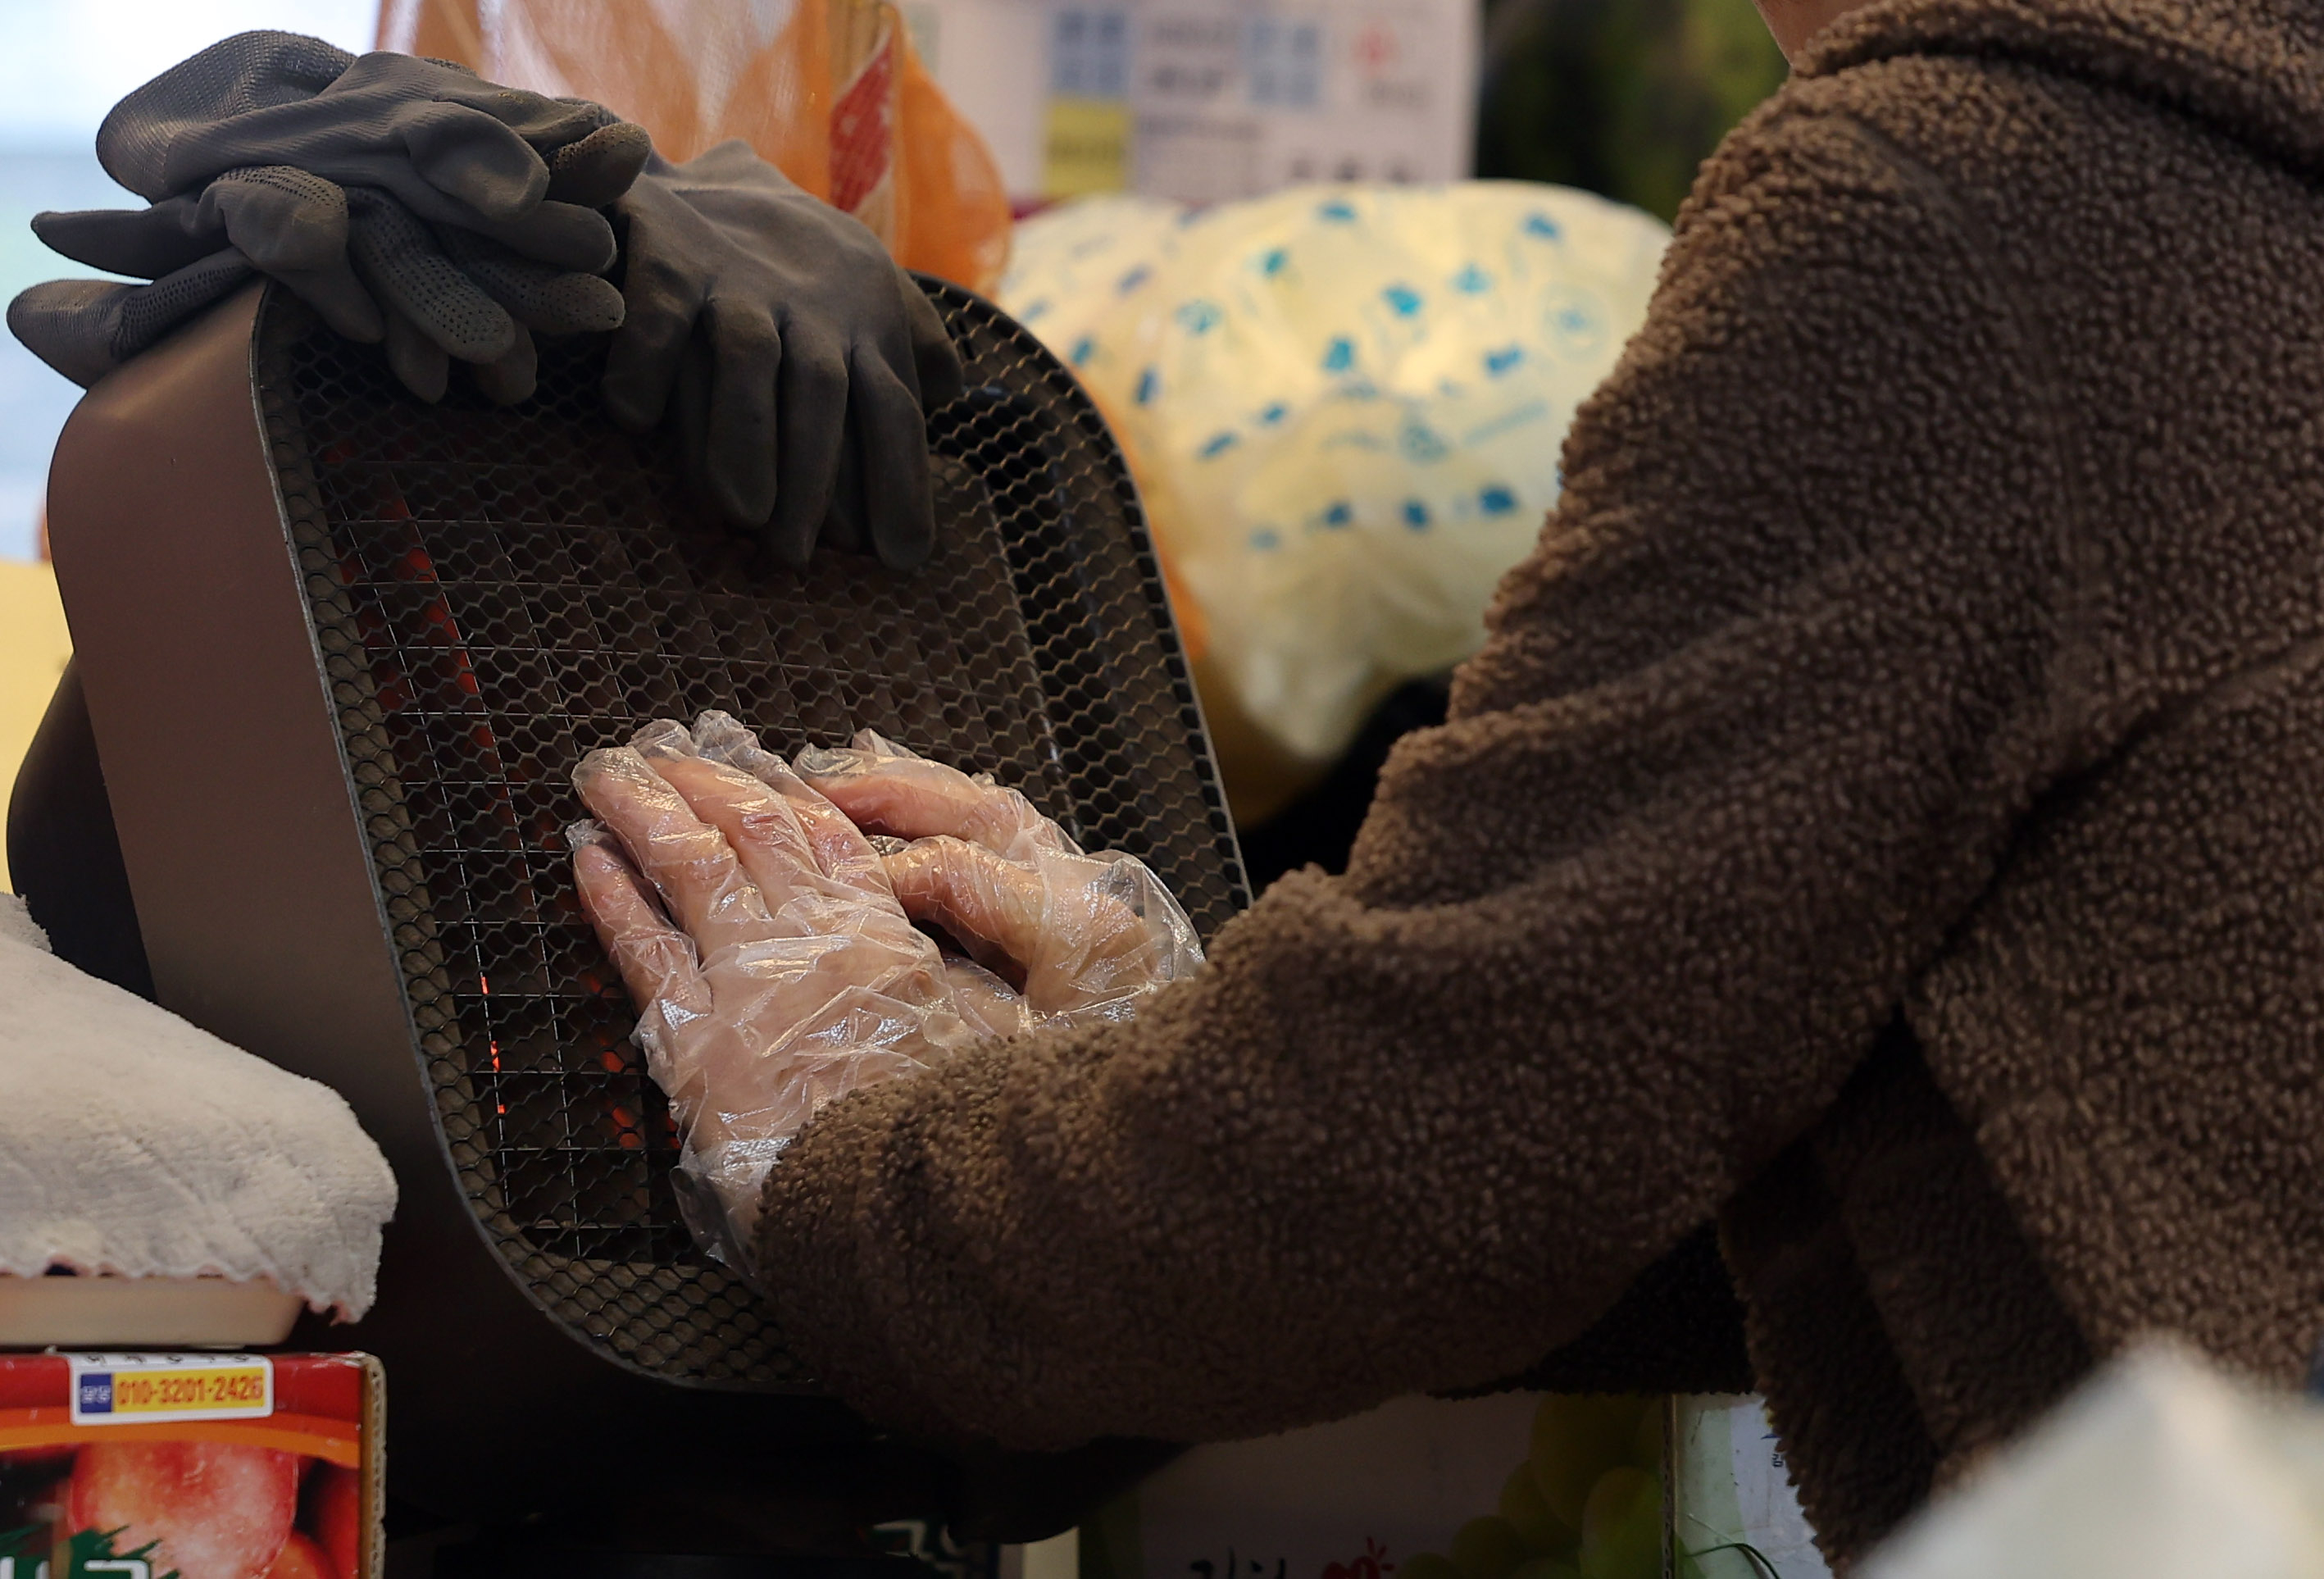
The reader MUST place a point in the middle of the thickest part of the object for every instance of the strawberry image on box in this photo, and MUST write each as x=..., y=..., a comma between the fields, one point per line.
x=190, y=1466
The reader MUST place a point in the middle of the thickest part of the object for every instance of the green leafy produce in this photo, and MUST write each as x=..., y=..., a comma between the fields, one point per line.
x=1622, y=1527
x=1544, y=1533
x=1647, y=1445
x=1690, y=1564
x=1577, y=1439
x=1587, y=1503
x=1546, y=1568
x=1625, y=97
x=1488, y=1548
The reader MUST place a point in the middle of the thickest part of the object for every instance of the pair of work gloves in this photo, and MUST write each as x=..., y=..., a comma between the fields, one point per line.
x=767, y=918
x=411, y=203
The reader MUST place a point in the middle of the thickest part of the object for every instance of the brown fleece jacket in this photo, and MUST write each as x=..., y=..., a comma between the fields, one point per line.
x=1888, y=818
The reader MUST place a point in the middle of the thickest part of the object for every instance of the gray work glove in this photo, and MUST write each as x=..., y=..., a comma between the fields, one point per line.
x=449, y=146
x=310, y=117
x=796, y=360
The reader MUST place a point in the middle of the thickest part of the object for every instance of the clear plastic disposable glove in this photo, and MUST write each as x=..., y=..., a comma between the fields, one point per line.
x=1085, y=937
x=338, y=166
x=770, y=943
x=795, y=358
x=755, y=927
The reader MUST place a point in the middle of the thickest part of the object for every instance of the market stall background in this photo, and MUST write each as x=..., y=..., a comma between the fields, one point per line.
x=1622, y=99
x=63, y=67
x=1184, y=99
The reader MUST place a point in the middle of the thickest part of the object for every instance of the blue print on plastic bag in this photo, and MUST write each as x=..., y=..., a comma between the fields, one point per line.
x=1200, y=317
x=1344, y=405
x=1421, y=443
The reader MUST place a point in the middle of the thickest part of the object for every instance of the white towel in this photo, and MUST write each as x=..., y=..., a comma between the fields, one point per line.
x=133, y=1142
x=17, y=926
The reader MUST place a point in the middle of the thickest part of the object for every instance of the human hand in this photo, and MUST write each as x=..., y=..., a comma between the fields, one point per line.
x=1088, y=937
x=795, y=358
x=755, y=926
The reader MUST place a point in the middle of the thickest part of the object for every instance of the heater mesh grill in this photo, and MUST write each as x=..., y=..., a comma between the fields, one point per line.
x=494, y=592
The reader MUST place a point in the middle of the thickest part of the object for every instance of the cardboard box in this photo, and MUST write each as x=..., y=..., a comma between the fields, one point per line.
x=1514, y=1486
x=1736, y=1516
x=205, y=1466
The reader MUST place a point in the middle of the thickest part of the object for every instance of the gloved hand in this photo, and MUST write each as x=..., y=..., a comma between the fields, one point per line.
x=305, y=117
x=1087, y=937
x=776, y=973
x=796, y=359
x=782, y=967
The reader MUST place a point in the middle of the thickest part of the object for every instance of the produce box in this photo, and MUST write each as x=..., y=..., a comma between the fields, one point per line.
x=204, y=1466
x=1734, y=1513
x=1515, y=1486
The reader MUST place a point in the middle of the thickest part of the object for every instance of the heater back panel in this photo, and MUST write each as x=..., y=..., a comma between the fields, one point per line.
x=494, y=592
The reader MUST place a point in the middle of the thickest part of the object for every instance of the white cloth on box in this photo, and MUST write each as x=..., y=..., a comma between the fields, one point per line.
x=134, y=1143
x=17, y=926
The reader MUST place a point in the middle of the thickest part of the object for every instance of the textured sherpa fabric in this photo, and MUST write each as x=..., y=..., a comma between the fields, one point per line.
x=134, y=1143
x=1888, y=818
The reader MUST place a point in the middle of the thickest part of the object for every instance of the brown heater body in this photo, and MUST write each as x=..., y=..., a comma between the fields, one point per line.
x=340, y=649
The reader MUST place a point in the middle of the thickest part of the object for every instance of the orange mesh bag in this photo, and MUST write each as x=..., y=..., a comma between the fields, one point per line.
x=831, y=92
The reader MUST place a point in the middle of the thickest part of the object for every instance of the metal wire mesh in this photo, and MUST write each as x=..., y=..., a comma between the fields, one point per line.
x=495, y=592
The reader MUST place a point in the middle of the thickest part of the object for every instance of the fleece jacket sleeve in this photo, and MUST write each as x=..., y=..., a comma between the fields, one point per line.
x=1751, y=727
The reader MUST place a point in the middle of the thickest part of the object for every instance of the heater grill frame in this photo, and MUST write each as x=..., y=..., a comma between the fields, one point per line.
x=493, y=592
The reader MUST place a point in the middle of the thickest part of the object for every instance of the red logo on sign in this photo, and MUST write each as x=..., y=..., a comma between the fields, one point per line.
x=1370, y=1566
x=861, y=133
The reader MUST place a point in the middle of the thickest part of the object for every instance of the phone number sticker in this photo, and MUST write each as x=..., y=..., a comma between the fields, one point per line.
x=120, y=1390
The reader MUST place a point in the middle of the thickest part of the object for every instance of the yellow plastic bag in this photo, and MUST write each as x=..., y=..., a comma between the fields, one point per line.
x=831, y=92
x=1344, y=407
